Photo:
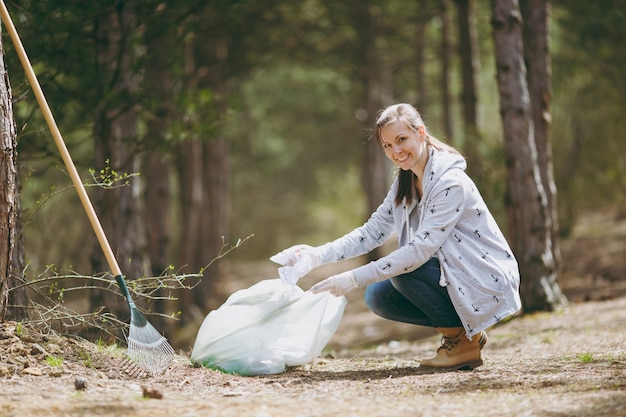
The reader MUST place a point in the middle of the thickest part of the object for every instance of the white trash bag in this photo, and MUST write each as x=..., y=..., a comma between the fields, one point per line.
x=264, y=329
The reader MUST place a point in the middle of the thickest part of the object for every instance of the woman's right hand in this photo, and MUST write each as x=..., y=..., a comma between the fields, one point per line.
x=297, y=261
x=290, y=256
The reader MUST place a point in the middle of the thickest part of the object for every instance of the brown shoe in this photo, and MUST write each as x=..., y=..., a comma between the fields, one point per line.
x=457, y=351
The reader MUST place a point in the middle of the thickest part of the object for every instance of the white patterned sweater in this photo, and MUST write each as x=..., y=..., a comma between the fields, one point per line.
x=450, y=222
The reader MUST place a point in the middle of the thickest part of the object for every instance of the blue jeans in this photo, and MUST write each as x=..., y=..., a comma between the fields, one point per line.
x=415, y=298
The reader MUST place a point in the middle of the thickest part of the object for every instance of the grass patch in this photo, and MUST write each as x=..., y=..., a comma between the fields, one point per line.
x=54, y=361
x=586, y=357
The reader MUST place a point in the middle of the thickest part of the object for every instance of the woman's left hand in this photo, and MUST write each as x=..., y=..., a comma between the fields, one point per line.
x=338, y=285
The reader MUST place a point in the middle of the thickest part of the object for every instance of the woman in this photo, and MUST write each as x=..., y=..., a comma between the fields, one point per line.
x=453, y=269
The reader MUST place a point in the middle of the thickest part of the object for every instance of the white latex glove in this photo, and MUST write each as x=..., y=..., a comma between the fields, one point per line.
x=297, y=261
x=290, y=256
x=338, y=285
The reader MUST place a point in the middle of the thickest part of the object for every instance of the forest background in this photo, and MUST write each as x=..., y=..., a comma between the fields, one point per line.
x=197, y=124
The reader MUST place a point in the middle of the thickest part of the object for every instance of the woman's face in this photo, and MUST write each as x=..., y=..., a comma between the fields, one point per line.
x=404, y=146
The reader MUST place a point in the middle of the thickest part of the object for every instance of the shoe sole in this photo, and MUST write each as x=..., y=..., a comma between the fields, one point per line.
x=467, y=366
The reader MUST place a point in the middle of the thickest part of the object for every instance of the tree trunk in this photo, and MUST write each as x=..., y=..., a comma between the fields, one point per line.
x=211, y=54
x=157, y=213
x=157, y=224
x=425, y=13
x=17, y=308
x=470, y=67
x=156, y=171
x=115, y=135
x=420, y=67
x=470, y=64
x=8, y=187
x=375, y=175
x=446, y=98
x=18, y=297
x=529, y=225
x=190, y=168
x=190, y=176
x=536, y=15
x=216, y=216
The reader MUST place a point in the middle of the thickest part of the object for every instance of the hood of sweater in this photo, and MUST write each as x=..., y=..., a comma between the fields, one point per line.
x=440, y=162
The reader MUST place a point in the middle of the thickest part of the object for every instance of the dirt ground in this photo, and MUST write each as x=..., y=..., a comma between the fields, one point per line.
x=566, y=363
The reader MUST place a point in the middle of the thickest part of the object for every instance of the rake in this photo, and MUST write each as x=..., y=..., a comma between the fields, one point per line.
x=146, y=347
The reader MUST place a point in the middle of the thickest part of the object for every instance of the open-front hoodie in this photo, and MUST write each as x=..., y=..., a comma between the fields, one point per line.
x=452, y=223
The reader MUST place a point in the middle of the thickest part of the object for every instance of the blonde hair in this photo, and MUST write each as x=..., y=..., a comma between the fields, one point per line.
x=410, y=117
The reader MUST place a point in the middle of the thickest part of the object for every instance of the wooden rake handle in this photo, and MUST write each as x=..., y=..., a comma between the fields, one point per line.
x=58, y=139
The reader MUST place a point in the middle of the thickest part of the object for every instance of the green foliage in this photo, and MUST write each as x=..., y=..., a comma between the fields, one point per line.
x=108, y=177
x=54, y=361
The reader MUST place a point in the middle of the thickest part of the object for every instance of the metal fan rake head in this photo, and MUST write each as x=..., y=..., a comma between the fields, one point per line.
x=146, y=347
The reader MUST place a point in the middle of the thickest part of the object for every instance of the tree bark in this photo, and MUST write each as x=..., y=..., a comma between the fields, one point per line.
x=18, y=297
x=470, y=64
x=190, y=169
x=115, y=135
x=536, y=15
x=216, y=218
x=420, y=67
x=470, y=67
x=446, y=99
x=8, y=187
x=157, y=213
x=156, y=166
x=529, y=225
x=375, y=175
x=157, y=86
x=17, y=305
x=189, y=166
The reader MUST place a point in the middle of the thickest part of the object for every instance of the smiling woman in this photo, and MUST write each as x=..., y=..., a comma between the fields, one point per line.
x=453, y=269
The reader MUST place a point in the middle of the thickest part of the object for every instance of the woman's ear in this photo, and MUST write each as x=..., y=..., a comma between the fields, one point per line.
x=422, y=132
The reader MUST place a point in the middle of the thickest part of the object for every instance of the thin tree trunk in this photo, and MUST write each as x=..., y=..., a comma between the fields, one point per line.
x=470, y=64
x=8, y=187
x=156, y=216
x=157, y=82
x=189, y=168
x=216, y=218
x=190, y=175
x=420, y=67
x=529, y=225
x=211, y=54
x=470, y=67
x=157, y=213
x=375, y=175
x=446, y=99
x=115, y=134
x=425, y=13
x=536, y=15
